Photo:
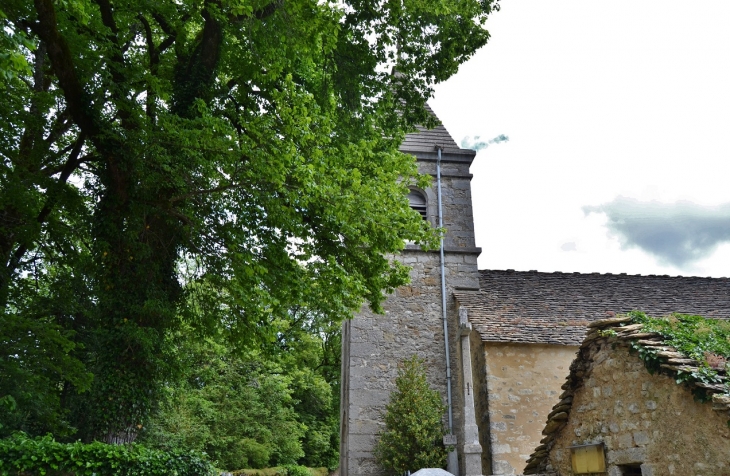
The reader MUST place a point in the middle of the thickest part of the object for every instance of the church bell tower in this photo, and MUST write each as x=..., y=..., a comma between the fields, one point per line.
x=418, y=315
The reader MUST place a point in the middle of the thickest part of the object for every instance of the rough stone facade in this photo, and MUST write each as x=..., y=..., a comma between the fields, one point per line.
x=481, y=398
x=523, y=384
x=645, y=421
x=374, y=345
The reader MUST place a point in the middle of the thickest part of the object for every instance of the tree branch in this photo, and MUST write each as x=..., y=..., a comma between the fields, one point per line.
x=268, y=10
x=63, y=65
x=208, y=191
x=68, y=169
x=107, y=17
x=261, y=13
x=154, y=57
x=163, y=24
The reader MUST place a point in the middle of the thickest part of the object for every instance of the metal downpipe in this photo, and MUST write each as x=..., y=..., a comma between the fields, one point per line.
x=443, y=297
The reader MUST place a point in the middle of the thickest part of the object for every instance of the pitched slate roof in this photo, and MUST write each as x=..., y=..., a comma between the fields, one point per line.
x=554, y=308
x=425, y=140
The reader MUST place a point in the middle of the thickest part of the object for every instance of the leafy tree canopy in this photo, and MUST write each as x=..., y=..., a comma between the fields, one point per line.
x=245, y=411
x=241, y=154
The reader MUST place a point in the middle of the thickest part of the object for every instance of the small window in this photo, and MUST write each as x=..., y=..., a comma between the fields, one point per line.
x=418, y=202
x=630, y=469
x=588, y=459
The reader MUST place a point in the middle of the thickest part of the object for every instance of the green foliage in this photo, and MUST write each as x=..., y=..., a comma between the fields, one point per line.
x=295, y=470
x=414, y=431
x=275, y=471
x=14, y=48
x=249, y=409
x=695, y=337
x=282, y=471
x=241, y=155
x=21, y=454
x=239, y=411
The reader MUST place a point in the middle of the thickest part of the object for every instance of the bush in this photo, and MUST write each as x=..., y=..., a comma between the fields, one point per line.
x=288, y=470
x=41, y=456
x=414, y=431
x=275, y=471
x=295, y=470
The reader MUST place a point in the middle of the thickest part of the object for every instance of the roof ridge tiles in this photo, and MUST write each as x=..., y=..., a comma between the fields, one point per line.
x=596, y=273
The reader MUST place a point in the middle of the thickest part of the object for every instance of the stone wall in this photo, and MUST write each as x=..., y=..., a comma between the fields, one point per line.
x=374, y=345
x=642, y=419
x=481, y=398
x=523, y=383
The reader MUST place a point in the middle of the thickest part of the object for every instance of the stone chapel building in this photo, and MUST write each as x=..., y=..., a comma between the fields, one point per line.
x=511, y=335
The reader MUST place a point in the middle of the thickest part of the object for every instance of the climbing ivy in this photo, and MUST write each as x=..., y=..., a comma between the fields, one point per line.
x=704, y=340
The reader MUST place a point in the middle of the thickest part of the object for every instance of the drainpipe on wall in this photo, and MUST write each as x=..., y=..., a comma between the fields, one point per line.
x=452, y=462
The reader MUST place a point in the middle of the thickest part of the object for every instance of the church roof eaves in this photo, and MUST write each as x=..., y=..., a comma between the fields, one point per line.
x=531, y=307
x=426, y=140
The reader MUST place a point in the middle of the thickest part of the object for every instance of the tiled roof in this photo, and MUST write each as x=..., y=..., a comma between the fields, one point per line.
x=425, y=140
x=554, y=308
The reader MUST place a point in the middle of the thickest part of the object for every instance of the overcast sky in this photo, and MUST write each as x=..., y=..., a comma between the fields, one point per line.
x=618, y=118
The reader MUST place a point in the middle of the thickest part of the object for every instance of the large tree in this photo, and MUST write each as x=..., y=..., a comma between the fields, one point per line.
x=248, y=146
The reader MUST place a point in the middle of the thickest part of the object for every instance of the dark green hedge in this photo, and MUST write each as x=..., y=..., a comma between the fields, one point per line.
x=22, y=455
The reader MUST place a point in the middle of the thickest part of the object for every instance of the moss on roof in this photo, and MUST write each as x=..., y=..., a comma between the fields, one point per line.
x=705, y=340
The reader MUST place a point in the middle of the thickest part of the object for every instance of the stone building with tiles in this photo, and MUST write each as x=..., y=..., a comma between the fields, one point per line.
x=528, y=327
x=615, y=418
x=510, y=336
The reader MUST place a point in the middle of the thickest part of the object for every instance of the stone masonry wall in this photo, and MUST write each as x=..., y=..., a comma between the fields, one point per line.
x=523, y=383
x=374, y=345
x=642, y=419
x=481, y=398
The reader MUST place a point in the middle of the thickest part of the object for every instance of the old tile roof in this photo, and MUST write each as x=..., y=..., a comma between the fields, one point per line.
x=554, y=308
x=425, y=140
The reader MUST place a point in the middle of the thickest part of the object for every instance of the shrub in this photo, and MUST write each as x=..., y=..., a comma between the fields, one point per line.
x=414, y=431
x=41, y=456
x=275, y=471
x=295, y=470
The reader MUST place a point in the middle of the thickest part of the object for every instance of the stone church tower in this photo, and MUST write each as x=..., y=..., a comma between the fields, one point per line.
x=413, y=323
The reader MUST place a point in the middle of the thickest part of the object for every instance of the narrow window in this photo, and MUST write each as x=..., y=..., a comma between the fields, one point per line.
x=418, y=202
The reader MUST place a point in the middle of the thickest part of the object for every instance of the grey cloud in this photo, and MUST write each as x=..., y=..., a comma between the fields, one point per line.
x=569, y=246
x=475, y=143
x=678, y=233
